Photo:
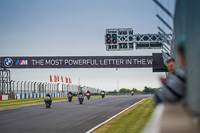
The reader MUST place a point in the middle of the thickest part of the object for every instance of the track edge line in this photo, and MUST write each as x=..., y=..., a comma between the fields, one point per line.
x=101, y=124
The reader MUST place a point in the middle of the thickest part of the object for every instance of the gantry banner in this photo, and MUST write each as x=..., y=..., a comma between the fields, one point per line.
x=77, y=62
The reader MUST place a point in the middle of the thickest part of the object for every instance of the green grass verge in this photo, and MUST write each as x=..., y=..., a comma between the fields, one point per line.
x=8, y=104
x=131, y=121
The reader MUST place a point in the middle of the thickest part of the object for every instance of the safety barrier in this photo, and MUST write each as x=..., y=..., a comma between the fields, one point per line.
x=25, y=87
x=4, y=97
x=37, y=95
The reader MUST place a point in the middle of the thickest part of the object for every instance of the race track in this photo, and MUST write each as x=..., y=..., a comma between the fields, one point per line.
x=63, y=116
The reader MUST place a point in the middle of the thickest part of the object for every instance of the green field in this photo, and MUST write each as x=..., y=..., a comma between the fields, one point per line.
x=8, y=104
x=131, y=121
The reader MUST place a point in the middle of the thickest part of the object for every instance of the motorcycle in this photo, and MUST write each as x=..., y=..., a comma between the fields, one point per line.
x=88, y=95
x=70, y=97
x=48, y=102
x=80, y=98
x=102, y=95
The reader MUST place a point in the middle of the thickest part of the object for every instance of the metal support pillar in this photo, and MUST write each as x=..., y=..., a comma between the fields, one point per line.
x=5, y=83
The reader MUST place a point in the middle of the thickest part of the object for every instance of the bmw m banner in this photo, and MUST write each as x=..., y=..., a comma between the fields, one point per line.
x=77, y=62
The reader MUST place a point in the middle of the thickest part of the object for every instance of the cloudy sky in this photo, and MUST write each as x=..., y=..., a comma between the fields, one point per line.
x=77, y=28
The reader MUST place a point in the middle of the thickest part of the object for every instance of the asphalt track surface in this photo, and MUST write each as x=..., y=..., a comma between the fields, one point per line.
x=64, y=117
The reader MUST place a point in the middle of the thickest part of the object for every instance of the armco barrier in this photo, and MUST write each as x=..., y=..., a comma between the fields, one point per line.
x=38, y=95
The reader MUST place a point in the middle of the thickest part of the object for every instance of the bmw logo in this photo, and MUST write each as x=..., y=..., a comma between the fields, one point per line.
x=8, y=62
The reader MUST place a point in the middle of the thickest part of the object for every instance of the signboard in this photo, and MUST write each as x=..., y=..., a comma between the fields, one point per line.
x=158, y=63
x=77, y=62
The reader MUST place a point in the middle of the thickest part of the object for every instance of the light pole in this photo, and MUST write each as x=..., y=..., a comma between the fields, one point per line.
x=117, y=80
x=117, y=84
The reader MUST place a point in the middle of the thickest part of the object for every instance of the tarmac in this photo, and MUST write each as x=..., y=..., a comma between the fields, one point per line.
x=64, y=116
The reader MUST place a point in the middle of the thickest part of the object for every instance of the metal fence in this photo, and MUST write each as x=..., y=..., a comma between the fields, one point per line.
x=33, y=87
x=22, y=87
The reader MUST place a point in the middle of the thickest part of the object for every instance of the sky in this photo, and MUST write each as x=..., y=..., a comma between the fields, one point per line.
x=77, y=28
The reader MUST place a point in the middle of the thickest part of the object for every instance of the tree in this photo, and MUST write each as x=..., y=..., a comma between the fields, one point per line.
x=139, y=91
x=149, y=90
x=155, y=89
x=146, y=89
x=112, y=92
x=134, y=90
x=124, y=90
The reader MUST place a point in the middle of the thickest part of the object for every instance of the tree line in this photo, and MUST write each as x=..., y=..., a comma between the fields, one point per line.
x=145, y=90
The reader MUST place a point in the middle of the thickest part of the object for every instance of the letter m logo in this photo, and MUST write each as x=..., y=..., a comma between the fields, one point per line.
x=24, y=62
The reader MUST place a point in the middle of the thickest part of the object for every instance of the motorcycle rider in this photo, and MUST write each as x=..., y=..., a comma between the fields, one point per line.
x=70, y=93
x=81, y=93
x=132, y=93
x=70, y=96
x=81, y=98
x=49, y=97
x=88, y=92
x=102, y=93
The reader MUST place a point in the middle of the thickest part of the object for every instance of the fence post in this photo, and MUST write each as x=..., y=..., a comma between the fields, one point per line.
x=58, y=87
x=25, y=86
x=17, y=86
x=21, y=86
x=28, y=86
x=54, y=88
x=34, y=87
x=13, y=87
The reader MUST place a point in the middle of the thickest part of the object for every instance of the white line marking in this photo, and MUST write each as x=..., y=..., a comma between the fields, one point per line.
x=94, y=128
